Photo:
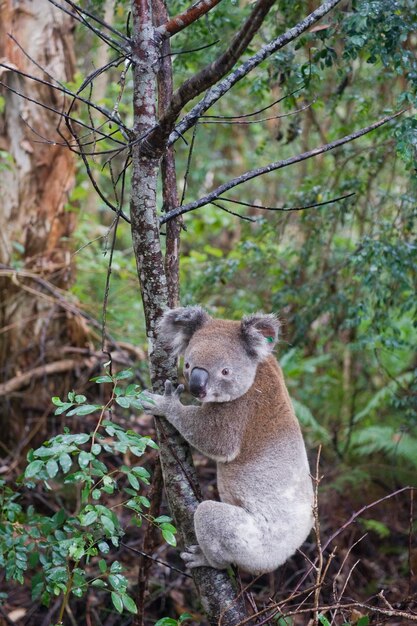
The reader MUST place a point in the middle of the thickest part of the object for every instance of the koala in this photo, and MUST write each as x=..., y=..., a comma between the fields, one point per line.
x=246, y=423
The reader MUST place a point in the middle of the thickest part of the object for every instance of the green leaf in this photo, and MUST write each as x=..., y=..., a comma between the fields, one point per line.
x=169, y=537
x=33, y=469
x=99, y=583
x=124, y=374
x=52, y=468
x=57, y=401
x=103, y=546
x=65, y=462
x=123, y=402
x=117, y=601
x=133, y=481
x=102, y=566
x=102, y=379
x=117, y=581
x=129, y=603
x=363, y=621
x=141, y=472
x=63, y=407
x=166, y=621
x=116, y=567
x=163, y=519
x=84, y=459
x=88, y=518
x=107, y=524
x=80, y=399
x=85, y=409
x=80, y=438
x=169, y=527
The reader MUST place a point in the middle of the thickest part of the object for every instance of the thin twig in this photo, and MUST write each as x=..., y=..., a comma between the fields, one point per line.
x=237, y=122
x=149, y=556
x=112, y=43
x=113, y=30
x=319, y=568
x=269, y=106
x=188, y=166
x=188, y=51
x=260, y=171
x=242, y=217
x=286, y=209
x=61, y=89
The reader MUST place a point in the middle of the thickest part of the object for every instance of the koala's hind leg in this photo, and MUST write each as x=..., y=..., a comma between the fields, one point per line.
x=229, y=534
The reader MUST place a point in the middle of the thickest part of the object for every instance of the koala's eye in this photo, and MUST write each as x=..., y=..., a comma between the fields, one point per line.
x=226, y=371
x=187, y=366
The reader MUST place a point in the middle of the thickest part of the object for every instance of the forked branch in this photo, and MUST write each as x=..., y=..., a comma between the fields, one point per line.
x=222, y=87
x=210, y=74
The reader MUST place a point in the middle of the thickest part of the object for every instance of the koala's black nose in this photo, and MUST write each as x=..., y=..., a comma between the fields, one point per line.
x=198, y=382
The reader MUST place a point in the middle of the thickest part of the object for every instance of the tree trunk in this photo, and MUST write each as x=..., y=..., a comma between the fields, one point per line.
x=216, y=590
x=37, y=175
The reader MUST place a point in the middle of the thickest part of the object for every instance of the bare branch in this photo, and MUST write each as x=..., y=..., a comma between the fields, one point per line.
x=222, y=87
x=21, y=380
x=260, y=171
x=239, y=122
x=257, y=112
x=210, y=74
x=189, y=50
x=242, y=217
x=293, y=208
x=56, y=111
x=113, y=30
x=190, y=15
x=67, y=92
x=115, y=45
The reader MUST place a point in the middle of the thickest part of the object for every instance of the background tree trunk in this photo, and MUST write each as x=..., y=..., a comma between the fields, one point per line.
x=37, y=175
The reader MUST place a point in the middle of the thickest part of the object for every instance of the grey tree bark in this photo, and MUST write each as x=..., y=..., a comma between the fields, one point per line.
x=216, y=590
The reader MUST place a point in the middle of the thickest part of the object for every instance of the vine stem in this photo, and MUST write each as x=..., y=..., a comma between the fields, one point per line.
x=67, y=594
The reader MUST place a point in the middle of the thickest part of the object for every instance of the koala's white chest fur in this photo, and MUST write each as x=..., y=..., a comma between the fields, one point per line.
x=263, y=477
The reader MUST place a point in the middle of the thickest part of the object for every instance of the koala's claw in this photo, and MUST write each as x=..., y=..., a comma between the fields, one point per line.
x=169, y=389
x=194, y=557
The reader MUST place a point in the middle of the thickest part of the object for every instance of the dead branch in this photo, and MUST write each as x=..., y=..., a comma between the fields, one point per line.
x=68, y=92
x=211, y=74
x=236, y=121
x=97, y=19
x=315, y=205
x=222, y=87
x=19, y=381
x=112, y=43
x=319, y=568
x=260, y=171
x=190, y=15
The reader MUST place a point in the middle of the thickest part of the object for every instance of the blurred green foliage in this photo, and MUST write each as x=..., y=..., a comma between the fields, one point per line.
x=341, y=276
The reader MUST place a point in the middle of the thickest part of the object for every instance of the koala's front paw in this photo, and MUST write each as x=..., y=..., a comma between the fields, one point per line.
x=194, y=557
x=155, y=404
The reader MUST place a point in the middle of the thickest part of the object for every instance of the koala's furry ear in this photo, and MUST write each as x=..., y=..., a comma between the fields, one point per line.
x=177, y=326
x=260, y=334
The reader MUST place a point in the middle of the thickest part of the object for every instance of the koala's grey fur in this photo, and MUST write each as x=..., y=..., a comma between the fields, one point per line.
x=247, y=424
